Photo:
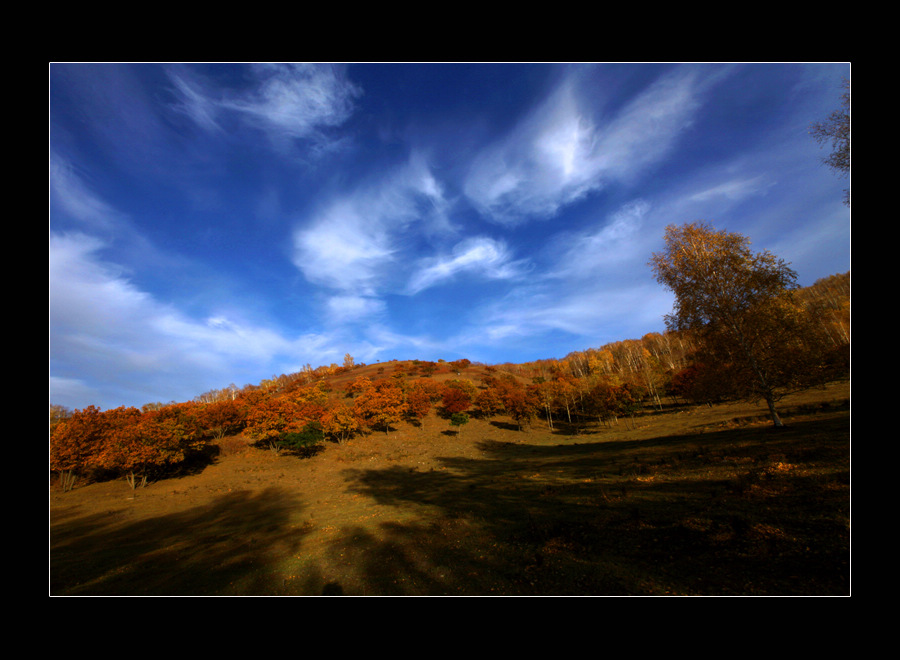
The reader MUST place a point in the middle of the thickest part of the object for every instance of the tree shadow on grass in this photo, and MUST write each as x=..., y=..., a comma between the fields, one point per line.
x=711, y=514
x=734, y=512
x=217, y=549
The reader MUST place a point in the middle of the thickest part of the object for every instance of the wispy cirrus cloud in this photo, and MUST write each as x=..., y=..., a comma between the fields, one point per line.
x=617, y=239
x=735, y=189
x=593, y=315
x=297, y=100
x=355, y=244
x=195, y=103
x=346, y=308
x=566, y=149
x=585, y=284
x=284, y=101
x=70, y=195
x=485, y=257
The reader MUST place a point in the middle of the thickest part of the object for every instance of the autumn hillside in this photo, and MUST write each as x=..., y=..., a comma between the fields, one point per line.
x=620, y=470
x=303, y=411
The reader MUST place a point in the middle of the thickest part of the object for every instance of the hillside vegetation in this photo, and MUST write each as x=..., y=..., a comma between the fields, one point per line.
x=690, y=500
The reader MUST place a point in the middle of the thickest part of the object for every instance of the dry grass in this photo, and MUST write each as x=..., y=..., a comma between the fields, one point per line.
x=690, y=501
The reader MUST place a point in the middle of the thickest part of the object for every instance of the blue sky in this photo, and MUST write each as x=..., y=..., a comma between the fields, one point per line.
x=215, y=224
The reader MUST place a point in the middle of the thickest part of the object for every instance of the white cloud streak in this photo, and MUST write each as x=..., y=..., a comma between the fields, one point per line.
x=297, y=99
x=618, y=241
x=69, y=195
x=349, y=308
x=562, y=153
x=195, y=104
x=355, y=244
x=595, y=315
x=734, y=189
x=286, y=101
x=482, y=256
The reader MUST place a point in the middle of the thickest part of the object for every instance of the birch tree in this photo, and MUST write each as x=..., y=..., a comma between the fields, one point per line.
x=739, y=306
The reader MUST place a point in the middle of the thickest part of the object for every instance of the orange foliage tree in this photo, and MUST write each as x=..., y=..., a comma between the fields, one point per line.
x=339, y=421
x=288, y=413
x=421, y=395
x=418, y=405
x=456, y=400
x=488, y=402
x=381, y=405
x=521, y=404
x=220, y=418
x=358, y=385
x=162, y=438
x=75, y=441
x=125, y=445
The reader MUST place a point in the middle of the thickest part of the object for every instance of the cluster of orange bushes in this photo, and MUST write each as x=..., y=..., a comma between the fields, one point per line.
x=127, y=440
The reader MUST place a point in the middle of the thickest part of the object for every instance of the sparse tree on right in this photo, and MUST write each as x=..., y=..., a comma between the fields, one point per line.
x=739, y=306
x=836, y=130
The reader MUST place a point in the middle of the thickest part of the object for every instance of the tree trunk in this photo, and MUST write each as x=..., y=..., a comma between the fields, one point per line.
x=764, y=382
x=776, y=420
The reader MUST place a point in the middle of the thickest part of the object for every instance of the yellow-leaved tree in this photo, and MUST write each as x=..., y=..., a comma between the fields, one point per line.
x=739, y=306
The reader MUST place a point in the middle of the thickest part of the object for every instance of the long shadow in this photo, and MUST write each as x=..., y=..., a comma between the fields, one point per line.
x=690, y=514
x=216, y=549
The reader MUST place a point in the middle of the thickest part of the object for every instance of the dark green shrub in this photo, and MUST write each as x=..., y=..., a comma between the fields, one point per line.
x=458, y=419
x=305, y=442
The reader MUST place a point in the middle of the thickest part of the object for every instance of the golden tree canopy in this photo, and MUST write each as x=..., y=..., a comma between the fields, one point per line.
x=715, y=276
x=738, y=305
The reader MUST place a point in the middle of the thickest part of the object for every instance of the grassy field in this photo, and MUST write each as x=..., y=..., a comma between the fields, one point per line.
x=687, y=501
